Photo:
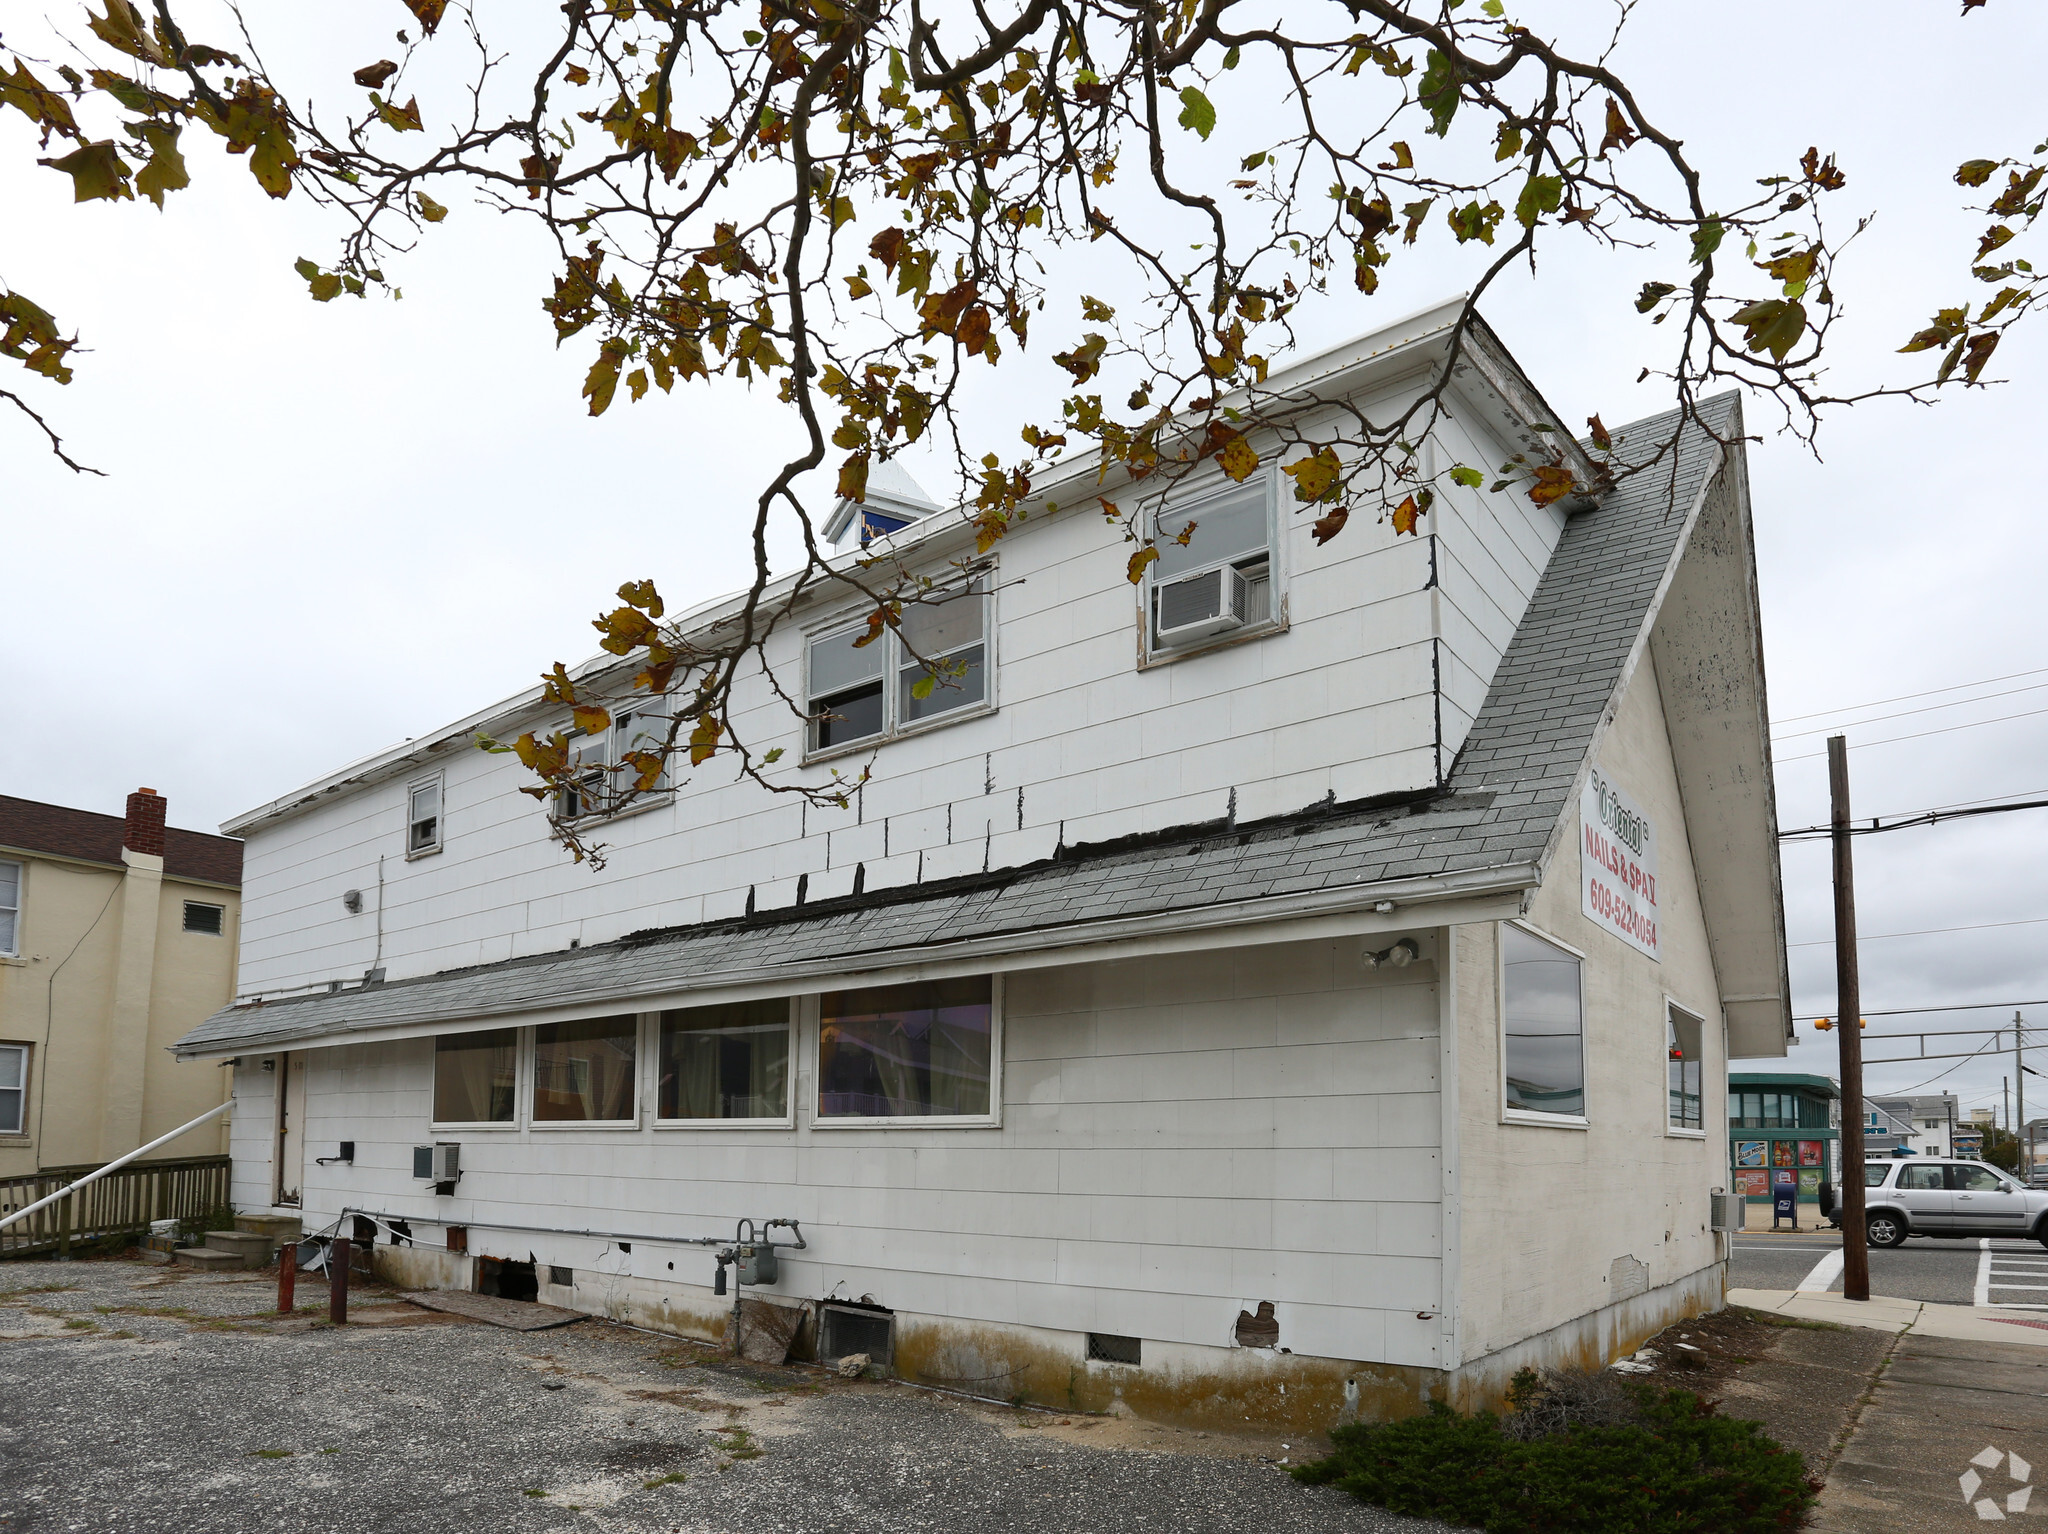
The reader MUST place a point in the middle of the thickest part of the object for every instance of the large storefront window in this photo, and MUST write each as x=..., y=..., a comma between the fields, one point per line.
x=476, y=1077
x=728, y=1062
x=907, y=1051
x=583, y=1072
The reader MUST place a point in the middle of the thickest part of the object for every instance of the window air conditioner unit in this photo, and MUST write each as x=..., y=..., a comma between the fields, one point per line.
x=1199, y=605
x=437, y=1163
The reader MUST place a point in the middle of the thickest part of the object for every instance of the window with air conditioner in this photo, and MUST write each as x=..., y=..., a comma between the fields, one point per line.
x=931, y=666
x=1214, y=575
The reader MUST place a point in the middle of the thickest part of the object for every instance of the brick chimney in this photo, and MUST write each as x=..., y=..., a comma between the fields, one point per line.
x=145, y=828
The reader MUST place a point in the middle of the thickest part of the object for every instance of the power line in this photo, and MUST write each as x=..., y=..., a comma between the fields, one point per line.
x=1961, y=1006
x=1907, y=713
x=1892, y=740
x=1910, y=696
x=1875, y=937
x=1924, y=818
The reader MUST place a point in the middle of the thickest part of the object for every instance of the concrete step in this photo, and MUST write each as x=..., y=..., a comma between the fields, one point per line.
x=279, y=1227
x=209, y=1257
x=256, y=1251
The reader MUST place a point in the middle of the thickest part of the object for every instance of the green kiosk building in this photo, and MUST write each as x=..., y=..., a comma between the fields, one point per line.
x=1783, y=1130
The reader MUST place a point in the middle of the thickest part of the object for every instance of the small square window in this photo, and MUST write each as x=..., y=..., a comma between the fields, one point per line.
x=200, y=917
x=619, y=762
x=423, y=818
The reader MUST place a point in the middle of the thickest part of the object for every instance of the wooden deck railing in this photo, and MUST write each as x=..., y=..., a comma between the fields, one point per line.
x=121, y=1203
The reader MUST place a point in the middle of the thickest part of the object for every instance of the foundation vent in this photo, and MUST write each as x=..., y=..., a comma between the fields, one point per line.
x=1108, y=1348
x=565, y=1277
x=847, y=1329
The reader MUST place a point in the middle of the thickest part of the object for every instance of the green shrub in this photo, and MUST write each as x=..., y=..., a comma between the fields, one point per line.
x=1678, y=1468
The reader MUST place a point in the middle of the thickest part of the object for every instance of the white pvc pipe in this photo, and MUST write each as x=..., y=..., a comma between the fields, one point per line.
x=44, y=1203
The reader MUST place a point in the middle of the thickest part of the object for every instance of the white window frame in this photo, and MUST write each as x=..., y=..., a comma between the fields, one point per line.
x=1671, y=1130
x=522, y=1064
x=28, y=1059
x=530, y=1045
x=437, y=782
x=662, y=793
x=1500, y=990
x=1186, y=507
x=791, y=1082
x=12, y=949
x=993, y=1119
x=185, y=918
x=895, y=657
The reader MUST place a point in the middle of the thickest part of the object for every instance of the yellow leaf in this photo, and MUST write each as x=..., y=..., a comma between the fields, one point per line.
x=1553, y=483
x=97, y=172
x=704, y=739
x=1406, y=515
x=1316, y=476
x=1237, y=459
x=590, y=718
x=430, y=210
x=428, y=12
x=165, y=171
x=1139, y=560
x=643, y=596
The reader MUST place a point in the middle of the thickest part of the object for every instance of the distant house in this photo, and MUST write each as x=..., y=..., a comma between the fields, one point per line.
x=1302, y=982
x=117, y=938
x=1923, y=1125
x=1784, y=1129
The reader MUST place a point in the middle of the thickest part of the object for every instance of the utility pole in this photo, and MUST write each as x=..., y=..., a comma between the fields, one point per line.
x=1849, y=1005
x=2019, y=1101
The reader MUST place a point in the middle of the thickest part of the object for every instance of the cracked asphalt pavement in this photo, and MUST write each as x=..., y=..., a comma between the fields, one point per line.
x=141, y=1398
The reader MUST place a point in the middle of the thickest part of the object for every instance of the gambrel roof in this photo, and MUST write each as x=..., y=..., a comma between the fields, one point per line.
x=1490, y=831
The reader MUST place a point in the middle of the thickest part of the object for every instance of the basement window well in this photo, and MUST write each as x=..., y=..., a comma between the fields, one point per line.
x=847, y=1329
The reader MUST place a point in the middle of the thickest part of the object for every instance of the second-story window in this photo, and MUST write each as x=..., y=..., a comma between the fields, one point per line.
x=10, y=908
x=1221, y=579
x=423, y=817
x=936, y=658
x=611, y=778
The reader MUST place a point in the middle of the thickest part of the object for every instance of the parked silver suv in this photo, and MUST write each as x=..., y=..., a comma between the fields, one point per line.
x=1924, y=1196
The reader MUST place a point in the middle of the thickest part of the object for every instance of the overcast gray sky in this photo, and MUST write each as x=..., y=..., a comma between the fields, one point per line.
x=327, y=528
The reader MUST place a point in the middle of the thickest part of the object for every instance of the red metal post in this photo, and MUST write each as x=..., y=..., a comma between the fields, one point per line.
x=287, y=1277
x=337, y=1280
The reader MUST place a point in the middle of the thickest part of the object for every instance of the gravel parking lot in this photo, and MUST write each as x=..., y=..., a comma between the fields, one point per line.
x=135, y=1397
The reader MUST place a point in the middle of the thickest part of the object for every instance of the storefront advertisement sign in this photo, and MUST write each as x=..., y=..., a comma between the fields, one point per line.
x=1618, y=863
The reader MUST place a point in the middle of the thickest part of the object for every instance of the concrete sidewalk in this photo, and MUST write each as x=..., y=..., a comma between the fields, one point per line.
x=1963, y=1323
x=1953, y=1424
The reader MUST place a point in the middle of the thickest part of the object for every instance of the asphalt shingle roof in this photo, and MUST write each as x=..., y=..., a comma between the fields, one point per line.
x=1506, y=797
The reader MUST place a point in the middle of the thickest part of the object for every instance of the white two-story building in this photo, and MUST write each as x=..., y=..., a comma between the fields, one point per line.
x=1300, y=983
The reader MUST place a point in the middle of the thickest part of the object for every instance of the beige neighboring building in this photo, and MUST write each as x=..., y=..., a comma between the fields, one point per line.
x=117, y=935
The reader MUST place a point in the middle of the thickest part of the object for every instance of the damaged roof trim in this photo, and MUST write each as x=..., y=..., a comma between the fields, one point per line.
x=1472, y=895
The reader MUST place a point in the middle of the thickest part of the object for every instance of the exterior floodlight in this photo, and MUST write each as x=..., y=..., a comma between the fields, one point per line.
x=1400, y=955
